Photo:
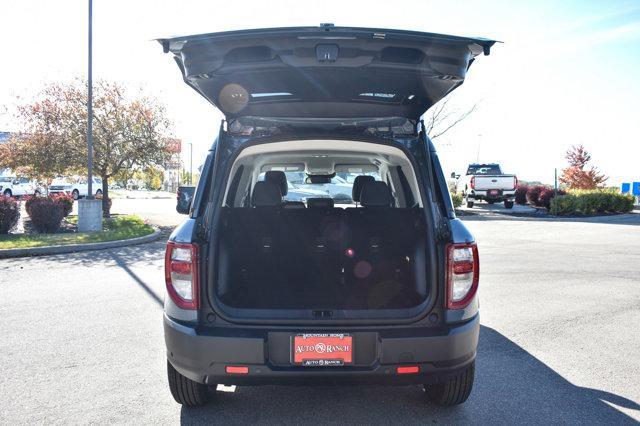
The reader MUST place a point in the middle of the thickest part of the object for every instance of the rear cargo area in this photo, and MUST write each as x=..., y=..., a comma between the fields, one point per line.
x=321, y=258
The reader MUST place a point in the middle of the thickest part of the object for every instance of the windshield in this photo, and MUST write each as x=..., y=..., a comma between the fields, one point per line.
x=484, y=169
x=340, y=188
x=6, y=179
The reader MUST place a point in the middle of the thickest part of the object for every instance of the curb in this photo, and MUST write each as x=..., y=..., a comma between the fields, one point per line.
x=72, y=248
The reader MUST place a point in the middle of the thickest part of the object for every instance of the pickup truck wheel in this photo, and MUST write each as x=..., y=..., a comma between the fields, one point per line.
x=184, y=390
x=75, y=194
x=452, y=392
x=508, y=204
x=7, y=193
x=469, y=204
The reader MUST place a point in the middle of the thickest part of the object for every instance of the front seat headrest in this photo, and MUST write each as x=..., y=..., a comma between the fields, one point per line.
x=375, y=194
x=266, y=194
x=358, y=183
x=279, y=178
x=319, y=203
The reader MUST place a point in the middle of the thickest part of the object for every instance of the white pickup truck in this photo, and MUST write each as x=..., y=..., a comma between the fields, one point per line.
x=78, y=188
x=486, y=182
x=11, y=186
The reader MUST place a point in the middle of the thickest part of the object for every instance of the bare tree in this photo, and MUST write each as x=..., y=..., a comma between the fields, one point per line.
x=444, y=116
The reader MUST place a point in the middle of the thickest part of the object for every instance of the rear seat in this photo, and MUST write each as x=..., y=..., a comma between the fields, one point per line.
x=384, y=246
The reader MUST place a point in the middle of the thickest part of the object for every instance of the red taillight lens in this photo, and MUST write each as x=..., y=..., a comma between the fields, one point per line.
x=181, y=274
x=472, y=183
x=463, y=273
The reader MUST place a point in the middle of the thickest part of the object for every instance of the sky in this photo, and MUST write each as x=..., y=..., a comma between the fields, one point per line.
x=566, y=72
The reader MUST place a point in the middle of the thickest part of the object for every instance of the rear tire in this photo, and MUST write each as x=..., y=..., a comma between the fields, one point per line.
x=75, y=194
x=508, y=204
x=7, y=193
x=452, y=392
x=469, y=204
x=184, y=390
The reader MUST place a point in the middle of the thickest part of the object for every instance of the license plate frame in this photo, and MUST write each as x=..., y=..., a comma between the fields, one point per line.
x=322, y=349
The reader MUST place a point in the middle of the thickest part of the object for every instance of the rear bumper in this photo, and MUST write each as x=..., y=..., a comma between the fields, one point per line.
x=439, y=354
x=484, y=195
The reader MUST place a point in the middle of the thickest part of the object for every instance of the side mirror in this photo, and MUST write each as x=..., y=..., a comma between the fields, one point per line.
x=453, y=175
x=185, y=198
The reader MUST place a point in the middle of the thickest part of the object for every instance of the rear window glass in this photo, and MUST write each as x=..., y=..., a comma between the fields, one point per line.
x=300, y=188
x=484, y=169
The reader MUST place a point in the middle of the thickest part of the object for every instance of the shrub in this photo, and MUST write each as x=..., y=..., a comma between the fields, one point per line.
x=66, y=201
x=457, y=200
x=28, y=202
x=546, y=195
x=521, y=194
x=9, y=214
x=533, y=194
x=563, y=205
x=591, y=202
x=46, y=214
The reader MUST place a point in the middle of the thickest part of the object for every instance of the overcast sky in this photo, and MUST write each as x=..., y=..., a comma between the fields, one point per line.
x=567, y=72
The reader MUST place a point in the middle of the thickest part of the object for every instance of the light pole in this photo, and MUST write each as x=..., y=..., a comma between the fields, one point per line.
x=90, y=107
x=89, y=209
x=478, y=154
x=190, y=163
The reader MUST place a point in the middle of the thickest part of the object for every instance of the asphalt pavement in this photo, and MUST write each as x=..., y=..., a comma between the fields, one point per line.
x=560, y=300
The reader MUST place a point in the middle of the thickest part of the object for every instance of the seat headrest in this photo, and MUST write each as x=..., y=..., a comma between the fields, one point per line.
x=358, y=183
x=375, y=194
x=266, y=194
x=279, y=178
x=319, y=203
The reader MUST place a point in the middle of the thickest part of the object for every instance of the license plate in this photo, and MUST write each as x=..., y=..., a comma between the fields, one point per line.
x=494, y=192
x=322, y=349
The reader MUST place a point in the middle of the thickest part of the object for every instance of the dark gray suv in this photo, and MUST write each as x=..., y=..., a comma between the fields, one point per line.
x=262, y=289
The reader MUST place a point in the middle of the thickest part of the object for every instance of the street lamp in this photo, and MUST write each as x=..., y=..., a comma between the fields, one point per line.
x=190, y=163
x=89, y=209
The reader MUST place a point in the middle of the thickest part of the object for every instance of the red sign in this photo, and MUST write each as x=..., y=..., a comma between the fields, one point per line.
x=322, y=349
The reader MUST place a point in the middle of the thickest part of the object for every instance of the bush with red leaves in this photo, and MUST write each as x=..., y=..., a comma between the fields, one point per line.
x=66, y=200
x=521, y=194
x=46, y=214
x=9, y=214
x=546, y=195
x=533, y=194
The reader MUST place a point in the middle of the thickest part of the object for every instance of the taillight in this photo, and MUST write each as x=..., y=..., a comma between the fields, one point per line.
x=463, y=273
x=472, y=183
x=181, y=274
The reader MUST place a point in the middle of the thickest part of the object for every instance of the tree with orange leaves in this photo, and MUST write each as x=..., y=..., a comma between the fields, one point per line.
x=578, y=175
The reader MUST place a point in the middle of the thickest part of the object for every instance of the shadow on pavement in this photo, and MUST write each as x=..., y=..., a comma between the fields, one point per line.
x=511, y=386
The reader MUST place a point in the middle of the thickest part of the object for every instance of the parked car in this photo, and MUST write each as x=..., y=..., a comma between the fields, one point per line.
x=487, y=182
x=78, y=188
x=263, y=291
x=12, y=186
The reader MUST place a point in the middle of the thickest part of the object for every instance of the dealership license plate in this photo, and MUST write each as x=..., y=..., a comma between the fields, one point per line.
x=322, y=349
